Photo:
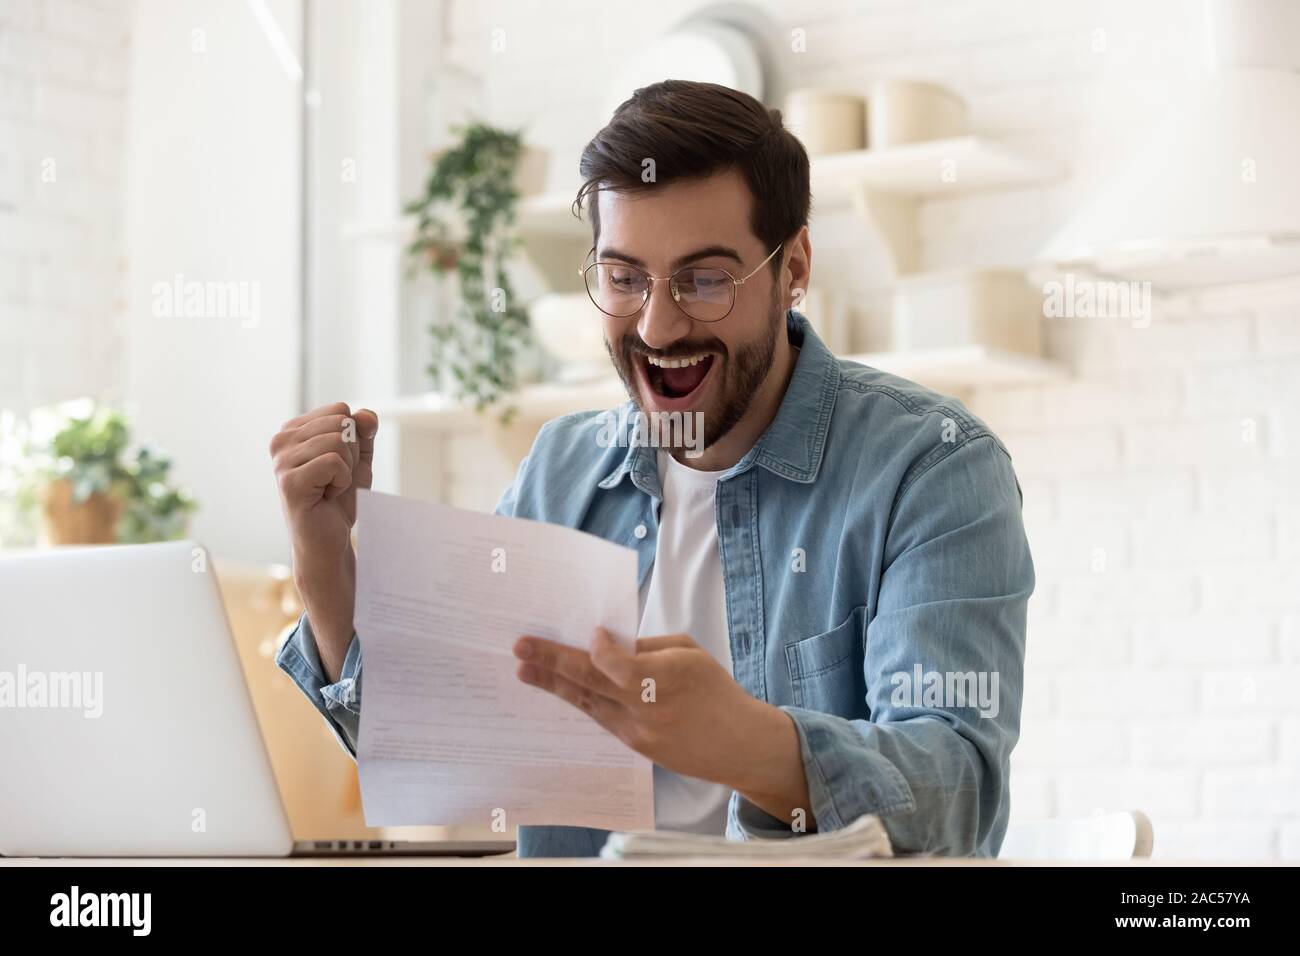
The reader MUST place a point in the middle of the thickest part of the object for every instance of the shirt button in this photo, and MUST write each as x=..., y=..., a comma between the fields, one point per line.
x=639, y=531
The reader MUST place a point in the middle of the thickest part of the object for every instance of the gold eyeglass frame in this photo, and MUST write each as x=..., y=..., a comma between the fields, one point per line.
x=672, y=288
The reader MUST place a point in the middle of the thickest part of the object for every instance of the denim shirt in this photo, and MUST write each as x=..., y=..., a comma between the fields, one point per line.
x=875, y=566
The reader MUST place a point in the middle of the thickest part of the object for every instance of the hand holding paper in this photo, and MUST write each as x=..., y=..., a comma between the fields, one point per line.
x=669, y=700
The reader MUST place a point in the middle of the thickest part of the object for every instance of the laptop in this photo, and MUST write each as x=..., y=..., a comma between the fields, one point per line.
x=126, y=725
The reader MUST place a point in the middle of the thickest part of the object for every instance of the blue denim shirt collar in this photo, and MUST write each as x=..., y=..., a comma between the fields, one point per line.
x=793, y=445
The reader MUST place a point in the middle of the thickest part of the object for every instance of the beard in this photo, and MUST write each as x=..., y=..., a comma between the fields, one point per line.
x=741, y=374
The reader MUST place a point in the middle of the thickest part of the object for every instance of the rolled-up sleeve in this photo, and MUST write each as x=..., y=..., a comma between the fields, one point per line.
x=340, y=702
x=952, y=598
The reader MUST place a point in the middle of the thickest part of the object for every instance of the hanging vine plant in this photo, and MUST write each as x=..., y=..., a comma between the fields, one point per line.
x=465, y=224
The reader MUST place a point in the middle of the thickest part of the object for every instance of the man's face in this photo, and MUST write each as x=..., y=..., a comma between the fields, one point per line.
x=668, y=361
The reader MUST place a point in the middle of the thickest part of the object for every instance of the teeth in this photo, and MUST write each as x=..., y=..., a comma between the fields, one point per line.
x=677, y=363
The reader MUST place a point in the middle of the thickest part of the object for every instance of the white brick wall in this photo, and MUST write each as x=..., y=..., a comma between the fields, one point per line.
x=1167, y=680
x=1198, y=517
x=1209, y=583
x=63, y=82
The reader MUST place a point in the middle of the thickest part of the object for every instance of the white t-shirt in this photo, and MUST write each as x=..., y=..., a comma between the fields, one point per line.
x=684, y=595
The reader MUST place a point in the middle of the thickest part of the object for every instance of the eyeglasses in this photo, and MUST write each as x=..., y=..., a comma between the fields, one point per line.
x=706, y=295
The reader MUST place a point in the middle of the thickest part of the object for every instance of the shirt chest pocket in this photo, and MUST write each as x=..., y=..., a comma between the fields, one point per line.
x=826, y=669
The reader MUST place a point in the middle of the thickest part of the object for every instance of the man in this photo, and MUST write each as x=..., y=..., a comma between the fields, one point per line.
x=833, y=593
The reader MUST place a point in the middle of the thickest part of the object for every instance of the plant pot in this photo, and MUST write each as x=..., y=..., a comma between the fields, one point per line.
x=63, y=521
x=443, y=256
x=903, y=111
x=826, y=121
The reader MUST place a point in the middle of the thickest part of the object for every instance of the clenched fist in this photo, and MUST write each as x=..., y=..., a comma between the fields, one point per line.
x=321, y=459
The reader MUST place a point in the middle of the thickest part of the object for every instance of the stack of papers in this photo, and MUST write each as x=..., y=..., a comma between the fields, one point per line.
x=864, y=839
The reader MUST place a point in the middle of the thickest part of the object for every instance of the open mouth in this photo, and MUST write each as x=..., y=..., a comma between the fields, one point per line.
x=675, y=379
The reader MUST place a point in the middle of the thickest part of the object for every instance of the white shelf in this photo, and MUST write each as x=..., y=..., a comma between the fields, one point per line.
x=533, y=404
x=885, y=186
x=971, y=366
x=936, y=168
x=958, y=368
x=549, y=216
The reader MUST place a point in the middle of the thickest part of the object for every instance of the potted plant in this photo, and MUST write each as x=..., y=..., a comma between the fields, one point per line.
x=79, y=501
x=465, y=225
x=89, y=489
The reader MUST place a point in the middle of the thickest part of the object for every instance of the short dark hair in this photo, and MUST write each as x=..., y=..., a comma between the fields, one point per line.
x=694, y=130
